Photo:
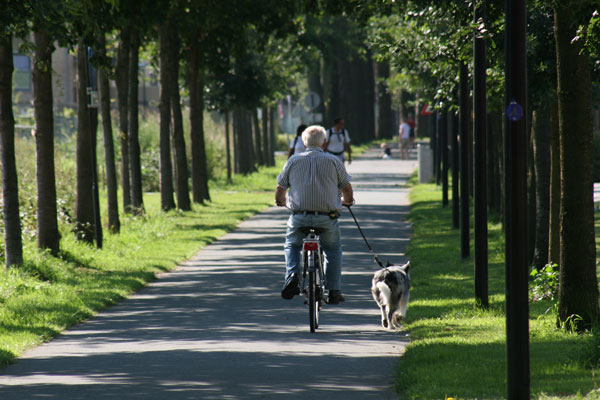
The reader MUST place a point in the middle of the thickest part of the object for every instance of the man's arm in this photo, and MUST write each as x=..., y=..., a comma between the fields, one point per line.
x=347, y=195
x=280, y=196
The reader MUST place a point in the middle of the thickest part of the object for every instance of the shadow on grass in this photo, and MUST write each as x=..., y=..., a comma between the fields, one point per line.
x=478, y=370
x=458, y=350
x=6, y=358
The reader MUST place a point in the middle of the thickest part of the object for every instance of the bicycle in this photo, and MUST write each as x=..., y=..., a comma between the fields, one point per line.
x=312, y=261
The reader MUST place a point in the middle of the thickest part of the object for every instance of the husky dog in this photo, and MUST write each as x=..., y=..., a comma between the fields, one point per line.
x=391, y=290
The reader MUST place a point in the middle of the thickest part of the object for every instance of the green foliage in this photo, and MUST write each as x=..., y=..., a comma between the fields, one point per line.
x=424, y=44
x=544, y=283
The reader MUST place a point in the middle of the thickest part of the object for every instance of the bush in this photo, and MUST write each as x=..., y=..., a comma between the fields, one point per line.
x=545, y=283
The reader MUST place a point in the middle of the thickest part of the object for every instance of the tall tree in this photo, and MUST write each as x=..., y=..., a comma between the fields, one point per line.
x=385, y=120
x=13, y=246
x=256, y=134
x=114, y=224
x=48, y=236
x=578, y=284
x=196, y=74
x=266, y=142
x=84, y=204
x=166, y=167
x=135, y=165
x=541, y=155
x=181, y=170
x=554, y=223
x=122, y=84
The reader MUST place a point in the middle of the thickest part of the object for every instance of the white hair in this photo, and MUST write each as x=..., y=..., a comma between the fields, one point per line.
x=314, y=136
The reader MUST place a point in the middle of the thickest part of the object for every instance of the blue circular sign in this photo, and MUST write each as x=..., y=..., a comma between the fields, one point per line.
x=514, y=111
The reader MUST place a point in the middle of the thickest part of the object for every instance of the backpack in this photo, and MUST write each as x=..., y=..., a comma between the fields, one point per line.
x=294, y=146
x=343, y=133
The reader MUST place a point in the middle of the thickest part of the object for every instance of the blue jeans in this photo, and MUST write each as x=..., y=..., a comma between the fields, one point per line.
x=330, y=242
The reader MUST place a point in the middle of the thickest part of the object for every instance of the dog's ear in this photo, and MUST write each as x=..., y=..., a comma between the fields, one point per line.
x=388, y=263
x=407, y=266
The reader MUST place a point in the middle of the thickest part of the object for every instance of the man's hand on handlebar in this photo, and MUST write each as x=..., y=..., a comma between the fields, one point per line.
x=280, y=196
x=348, y=204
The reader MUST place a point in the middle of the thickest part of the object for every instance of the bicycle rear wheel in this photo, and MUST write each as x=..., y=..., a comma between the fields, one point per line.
x=313, y=302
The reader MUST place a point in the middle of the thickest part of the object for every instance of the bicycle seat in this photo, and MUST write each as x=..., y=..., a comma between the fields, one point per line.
x=307, y=229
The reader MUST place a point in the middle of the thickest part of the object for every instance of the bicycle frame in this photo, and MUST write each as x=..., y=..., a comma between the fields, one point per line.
x=312, y=260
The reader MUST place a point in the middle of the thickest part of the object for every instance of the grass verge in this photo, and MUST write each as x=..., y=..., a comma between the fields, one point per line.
x=49, y=294
x=457, y=349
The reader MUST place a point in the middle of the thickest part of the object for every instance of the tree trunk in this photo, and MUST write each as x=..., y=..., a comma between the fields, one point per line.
x=256, y=134
x=273, y=124
x=554, y=240
x=48, y=236
x=531, y=193
x=367, y=99
x=243, y=146
x=494, y=163
x=114, y=224
x=466, y=146
x=135, y=165
x=13, y=245
x=199, y=163
x=227, y=147
x=315, y=86
x=166, y=168
x=122, y=84
x=541, y=155
x=236, y=125
x=182, y=190
x=266, y=143
x=84, y=206
x=385, y=122
x=578, y=284
x=455, y=171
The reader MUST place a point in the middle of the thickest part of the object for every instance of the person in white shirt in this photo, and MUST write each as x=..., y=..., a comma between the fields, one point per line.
x=338, y=140
x=296, y=145
x=404, y=138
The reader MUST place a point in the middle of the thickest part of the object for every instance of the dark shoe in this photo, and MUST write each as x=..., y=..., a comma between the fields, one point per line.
x=290, y=289
x=335, y=297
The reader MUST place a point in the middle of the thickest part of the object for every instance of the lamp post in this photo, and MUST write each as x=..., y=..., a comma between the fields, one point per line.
x=515, y=148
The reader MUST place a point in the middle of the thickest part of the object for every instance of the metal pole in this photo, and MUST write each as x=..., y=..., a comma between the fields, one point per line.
x=515, y=145
x=465, y=144
x=480, y=160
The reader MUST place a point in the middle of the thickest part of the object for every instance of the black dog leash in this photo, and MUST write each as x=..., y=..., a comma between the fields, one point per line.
x=363, y=235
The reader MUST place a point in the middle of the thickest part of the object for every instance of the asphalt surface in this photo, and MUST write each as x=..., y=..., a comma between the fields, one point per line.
x=217, y=328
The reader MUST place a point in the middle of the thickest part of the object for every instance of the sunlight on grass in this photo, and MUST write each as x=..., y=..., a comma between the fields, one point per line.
x=457, y=349
x=49, y=294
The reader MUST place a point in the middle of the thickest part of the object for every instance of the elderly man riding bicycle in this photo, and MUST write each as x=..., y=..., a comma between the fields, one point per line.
x=315, y=180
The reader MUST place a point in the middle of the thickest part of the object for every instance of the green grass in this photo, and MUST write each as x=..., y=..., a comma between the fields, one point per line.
x=49, y=294
x=457, y=349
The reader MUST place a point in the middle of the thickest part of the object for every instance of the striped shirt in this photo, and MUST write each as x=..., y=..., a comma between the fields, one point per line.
x=315, y=179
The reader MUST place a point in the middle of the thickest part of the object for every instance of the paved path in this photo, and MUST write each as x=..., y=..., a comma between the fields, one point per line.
x=217, y=328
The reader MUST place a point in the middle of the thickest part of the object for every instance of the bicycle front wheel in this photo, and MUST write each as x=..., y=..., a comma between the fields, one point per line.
x=313, y=302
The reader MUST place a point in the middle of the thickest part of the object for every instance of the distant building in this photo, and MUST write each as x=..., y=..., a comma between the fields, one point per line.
x=64, y=68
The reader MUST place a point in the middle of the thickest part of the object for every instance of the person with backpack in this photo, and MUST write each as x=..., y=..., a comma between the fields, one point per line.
x=296, y=145
x=338, y=140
